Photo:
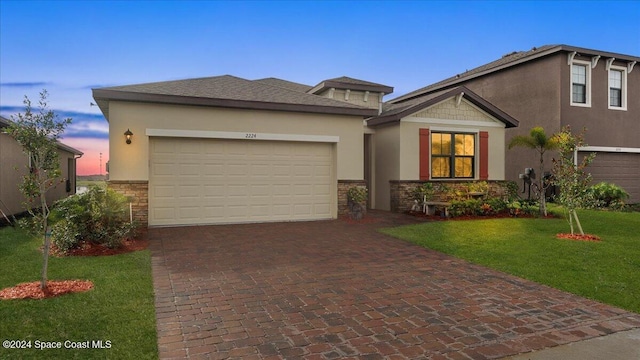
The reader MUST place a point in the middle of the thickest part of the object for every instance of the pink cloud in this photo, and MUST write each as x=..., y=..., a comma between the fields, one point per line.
x=90, y=163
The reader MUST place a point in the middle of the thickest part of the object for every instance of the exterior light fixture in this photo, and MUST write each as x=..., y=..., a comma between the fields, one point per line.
x=128, y=134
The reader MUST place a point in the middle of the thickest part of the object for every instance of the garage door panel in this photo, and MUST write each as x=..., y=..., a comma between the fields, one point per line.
x=209, y=181
x=622, y=169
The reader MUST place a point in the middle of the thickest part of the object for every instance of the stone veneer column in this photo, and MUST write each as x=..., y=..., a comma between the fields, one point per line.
x=343, y=187
x=138, y=193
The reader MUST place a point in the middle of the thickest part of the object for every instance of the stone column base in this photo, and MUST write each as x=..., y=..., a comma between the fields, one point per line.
x=138, y=193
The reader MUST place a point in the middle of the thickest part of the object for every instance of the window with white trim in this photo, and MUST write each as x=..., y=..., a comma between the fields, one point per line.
x=617, y=88
x=580, y=83
x=453, y=155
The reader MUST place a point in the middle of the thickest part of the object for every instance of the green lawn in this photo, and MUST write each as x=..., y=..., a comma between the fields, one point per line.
x=119, y=309
x=608, y=271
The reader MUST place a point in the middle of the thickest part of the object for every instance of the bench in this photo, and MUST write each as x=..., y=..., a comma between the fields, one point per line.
x=429, y=207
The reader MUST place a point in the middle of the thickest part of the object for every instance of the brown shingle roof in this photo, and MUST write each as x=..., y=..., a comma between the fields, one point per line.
x=228, y=91
x=511, y=59
x=285, y=84
x=345, y=82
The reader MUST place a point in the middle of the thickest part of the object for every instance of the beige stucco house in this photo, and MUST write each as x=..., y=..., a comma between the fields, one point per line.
x=229, y=150
x=14, y=165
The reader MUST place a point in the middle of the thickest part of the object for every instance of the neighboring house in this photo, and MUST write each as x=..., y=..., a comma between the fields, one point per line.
x=229, y=150
x=14, y=164
x=557, y=85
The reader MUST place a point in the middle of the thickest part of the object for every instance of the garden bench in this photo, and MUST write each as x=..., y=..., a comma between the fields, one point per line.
x=429, y=207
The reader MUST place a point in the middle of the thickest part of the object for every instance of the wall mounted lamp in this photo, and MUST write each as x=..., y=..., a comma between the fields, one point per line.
x=128, y=134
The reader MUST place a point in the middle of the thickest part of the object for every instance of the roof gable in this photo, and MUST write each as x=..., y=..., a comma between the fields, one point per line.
x=451, y=109
x=395, y=112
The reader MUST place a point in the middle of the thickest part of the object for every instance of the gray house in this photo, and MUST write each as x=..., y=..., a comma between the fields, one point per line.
x=557, y=85
x=14, y=164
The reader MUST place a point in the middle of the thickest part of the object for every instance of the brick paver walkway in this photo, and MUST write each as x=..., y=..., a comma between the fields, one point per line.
x=334, y=289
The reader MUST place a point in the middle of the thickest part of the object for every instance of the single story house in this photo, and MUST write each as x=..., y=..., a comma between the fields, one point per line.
x=230, y=150
x=14, y=165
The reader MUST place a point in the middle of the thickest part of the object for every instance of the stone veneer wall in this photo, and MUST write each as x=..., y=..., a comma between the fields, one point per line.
x=343, y=187
x=138, y=193
x=402, y=190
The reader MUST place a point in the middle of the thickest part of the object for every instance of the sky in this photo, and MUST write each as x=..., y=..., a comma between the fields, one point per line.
x=71, y=47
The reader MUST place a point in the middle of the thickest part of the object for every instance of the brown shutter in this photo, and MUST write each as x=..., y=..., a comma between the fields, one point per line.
x=484, y=155
x=424, y=154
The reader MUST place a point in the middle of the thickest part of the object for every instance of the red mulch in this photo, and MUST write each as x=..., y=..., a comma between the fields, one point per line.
x=54, y=288
x=578, y=237
x=90, y=249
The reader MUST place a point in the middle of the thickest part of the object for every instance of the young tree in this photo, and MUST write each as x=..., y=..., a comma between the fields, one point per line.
x=38, y=132
x=539, y=141
x=570, y=176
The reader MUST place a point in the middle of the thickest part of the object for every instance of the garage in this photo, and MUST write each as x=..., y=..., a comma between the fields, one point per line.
x=622, y=169
x=218, y=181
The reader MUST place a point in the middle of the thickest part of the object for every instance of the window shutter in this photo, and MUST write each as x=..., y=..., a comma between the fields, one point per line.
x=484, y=155
x=424, y=154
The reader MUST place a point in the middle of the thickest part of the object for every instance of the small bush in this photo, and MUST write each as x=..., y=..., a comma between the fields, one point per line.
x=357, y=194
x=607, y=195
x=422, y=191
x=98, y=216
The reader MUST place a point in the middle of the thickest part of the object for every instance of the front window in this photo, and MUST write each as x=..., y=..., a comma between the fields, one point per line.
x=617, y=91
x=452, y=155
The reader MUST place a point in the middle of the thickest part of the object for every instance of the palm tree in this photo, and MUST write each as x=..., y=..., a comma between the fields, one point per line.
x=539, y=141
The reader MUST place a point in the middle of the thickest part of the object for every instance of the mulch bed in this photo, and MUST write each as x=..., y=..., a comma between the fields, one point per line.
x=578, y=237
x=420, y=214
x=90, y=249
x=56, y=288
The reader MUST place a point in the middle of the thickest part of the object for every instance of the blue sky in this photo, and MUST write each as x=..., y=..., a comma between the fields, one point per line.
x=69, y=47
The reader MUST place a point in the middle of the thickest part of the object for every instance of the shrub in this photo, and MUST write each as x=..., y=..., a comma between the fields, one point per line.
x=608, y=195
x=98, y=216
x=422, y=191
x=357, y=194
x=466, y=207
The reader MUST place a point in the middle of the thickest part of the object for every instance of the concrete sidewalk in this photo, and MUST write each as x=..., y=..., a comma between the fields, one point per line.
x=623, y=345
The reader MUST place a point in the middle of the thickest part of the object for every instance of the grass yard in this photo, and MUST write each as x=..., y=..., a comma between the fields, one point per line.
x=119, y=309
x=607, y=271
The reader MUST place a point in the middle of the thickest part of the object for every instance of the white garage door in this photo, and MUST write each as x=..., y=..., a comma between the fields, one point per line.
x=217, y=181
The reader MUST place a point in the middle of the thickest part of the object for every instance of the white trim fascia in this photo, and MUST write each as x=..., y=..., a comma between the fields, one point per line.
x=419, y=120
x=610, y=149
x=241, y=135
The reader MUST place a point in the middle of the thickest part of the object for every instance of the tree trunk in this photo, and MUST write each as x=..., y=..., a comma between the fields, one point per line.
x=575, y=215
x=45, y=255
x=541, y=189
x=47, y=239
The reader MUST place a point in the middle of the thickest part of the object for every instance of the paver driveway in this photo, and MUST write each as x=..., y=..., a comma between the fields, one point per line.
x=335, y=289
